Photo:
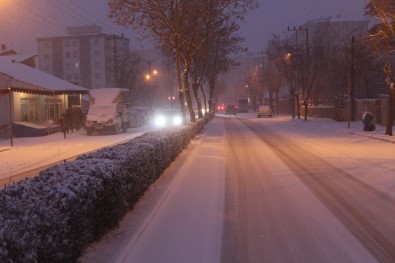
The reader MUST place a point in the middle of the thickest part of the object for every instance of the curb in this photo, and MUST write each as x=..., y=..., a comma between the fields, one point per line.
x=369, y=136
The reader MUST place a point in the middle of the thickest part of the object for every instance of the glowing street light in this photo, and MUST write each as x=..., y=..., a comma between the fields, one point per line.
x=148, y=78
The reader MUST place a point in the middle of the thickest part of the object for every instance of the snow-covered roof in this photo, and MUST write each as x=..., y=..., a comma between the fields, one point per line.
x=105, y=95
x=23, y=78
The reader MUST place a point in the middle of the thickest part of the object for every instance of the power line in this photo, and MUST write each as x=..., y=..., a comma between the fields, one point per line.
x=50, y=22
x=66, y=9
x=104, y=24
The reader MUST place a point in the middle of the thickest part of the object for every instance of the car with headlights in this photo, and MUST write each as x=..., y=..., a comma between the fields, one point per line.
x=264, y=110
x=167, y=118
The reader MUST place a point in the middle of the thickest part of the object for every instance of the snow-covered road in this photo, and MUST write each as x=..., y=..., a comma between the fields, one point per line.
x=240, y=193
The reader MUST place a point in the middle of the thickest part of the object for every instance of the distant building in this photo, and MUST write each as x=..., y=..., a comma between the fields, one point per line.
x=86, y=56
x=335, y=32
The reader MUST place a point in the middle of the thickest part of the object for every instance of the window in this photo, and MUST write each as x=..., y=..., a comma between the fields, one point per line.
x=52, y=109
x=67, y=54
x=97, y=75
x=30, y=109
x=97, y=64
x=96, y=53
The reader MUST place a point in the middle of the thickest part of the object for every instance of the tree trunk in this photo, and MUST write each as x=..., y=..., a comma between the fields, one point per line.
x=211, y=84
x=293, y=104
x=188, y=93
x=305, y=109
x=297, y=106
x=390, y=117
x=180, y=88
x=204, y=98
x=277, y=102
x=195, y=89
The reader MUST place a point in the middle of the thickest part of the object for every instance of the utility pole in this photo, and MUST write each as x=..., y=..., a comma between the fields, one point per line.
x=352, y=80
x=297, y=84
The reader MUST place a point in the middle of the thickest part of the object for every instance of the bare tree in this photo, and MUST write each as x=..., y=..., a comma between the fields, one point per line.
x=129, y=70
x=255, y=85
x=382, y=36
x=282, y=53
x=179, y=27
x=272, y=79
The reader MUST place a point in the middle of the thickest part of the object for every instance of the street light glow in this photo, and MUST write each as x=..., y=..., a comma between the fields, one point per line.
x=149, y=75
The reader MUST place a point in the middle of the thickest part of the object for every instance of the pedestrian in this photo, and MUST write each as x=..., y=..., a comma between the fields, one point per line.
x=64, y=125
x=69, y=118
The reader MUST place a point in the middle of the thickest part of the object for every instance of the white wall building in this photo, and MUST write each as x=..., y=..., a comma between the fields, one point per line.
x=85, y=57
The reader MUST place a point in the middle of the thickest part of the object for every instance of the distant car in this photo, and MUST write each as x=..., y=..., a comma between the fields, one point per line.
x=264, y=110
x=221, y=107
x=167, y=118
x=230, y=109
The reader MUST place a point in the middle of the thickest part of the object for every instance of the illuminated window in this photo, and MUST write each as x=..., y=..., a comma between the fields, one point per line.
x=30, y=109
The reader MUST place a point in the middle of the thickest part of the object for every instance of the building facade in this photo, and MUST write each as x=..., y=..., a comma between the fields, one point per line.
x=86, y=56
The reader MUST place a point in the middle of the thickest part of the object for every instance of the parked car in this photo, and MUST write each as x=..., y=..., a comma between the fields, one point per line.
x=230, y=109
x=109, y=111
x=264, y=110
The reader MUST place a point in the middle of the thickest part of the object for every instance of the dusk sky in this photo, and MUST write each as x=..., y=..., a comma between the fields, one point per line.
x=25, y=20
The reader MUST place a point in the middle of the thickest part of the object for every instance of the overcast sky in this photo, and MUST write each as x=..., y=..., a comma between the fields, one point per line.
x=22, y=21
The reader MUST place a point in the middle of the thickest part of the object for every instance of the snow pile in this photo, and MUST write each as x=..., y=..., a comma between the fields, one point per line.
x=53, y=217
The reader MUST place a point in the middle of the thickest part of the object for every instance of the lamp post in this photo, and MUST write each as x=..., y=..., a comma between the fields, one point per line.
x=149, y=77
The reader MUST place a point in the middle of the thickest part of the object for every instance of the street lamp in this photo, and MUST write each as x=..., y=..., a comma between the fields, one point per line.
x=149, y=77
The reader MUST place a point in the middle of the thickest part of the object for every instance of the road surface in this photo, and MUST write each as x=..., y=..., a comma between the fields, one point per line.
x=254, y=190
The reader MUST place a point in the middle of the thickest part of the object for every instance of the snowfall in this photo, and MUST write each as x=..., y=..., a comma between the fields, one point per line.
x=371, y=156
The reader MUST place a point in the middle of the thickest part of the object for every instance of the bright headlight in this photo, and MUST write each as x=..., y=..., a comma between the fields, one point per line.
x=160, y=121
x=177, y=120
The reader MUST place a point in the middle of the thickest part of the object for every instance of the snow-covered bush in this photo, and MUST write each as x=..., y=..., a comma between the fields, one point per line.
x=54, y=216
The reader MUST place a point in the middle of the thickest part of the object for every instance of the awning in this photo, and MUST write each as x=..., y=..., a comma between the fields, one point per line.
x=21, y=78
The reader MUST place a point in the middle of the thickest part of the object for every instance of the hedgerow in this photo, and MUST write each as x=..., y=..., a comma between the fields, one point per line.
x=54, y=216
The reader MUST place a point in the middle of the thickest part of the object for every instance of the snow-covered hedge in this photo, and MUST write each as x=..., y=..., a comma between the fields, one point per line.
x=54, y=216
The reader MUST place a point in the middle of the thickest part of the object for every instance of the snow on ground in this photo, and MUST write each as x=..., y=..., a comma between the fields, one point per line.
x=34, y=152
x=367, y=155
x=372, y=152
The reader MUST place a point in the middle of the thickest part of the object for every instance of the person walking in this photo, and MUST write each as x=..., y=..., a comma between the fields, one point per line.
x=64, y=125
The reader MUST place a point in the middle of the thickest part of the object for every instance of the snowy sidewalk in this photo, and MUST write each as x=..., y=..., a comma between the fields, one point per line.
x=31, y=153
x=35, y=152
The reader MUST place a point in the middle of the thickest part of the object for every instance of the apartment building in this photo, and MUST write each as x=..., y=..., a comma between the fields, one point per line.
x=85, y=56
